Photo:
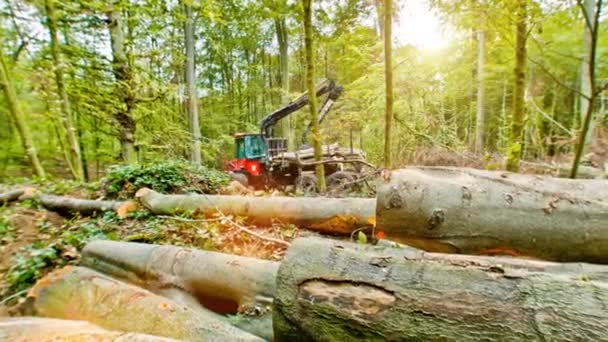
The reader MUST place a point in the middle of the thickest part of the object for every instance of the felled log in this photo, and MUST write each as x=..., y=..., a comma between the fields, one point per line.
x=83, y=294
x=471, y=211
x=70, y=205
x=222, y=282
x=329, y=215
x=331, y=290
x=35, y=329
x=12, y=195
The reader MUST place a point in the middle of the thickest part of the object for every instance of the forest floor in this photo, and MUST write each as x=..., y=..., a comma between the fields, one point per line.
x=35, y=241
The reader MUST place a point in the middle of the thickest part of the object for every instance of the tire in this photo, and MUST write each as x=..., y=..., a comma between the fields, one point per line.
x=240, y=177
x=339, y=181
x=306, y=183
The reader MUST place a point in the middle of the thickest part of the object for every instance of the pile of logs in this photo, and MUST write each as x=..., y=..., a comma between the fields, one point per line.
x=462, y=263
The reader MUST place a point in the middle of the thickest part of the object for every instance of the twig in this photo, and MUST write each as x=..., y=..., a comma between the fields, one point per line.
x=175, y=218
x=251, y=232
x=14, y=295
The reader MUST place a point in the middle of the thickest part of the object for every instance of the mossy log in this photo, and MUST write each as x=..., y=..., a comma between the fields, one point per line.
x=328, y=215
x=339, y=291
x=469, y=211
x=36, y=329
x=83, y=294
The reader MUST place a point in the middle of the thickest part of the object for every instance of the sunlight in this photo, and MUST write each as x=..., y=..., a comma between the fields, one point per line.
x=419, y=26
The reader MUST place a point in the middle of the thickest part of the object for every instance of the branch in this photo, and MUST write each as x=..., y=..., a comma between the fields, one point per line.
x=556, y=80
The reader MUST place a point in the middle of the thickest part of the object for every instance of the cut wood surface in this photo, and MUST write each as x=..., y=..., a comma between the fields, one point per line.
x=37, y=329
x=222, y=282
x=491, y=212
x=328, y=215
x=83, y=294
x=332, y=290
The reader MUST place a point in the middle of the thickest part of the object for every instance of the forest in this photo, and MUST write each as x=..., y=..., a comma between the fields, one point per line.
x=328, y=170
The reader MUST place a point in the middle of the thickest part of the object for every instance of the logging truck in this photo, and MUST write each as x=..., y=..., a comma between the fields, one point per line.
x=262, y=159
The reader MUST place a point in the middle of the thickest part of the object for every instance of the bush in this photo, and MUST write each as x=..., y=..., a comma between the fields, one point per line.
x=169, y=177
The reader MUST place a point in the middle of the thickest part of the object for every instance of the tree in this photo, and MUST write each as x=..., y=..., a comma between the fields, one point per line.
x=592, y=23
x=74, y=158
x=518, y=108
x=124, y=79
x=388, y=74
x=18, y=117
x=312, y=96
x=480, y=118
x=195, y=130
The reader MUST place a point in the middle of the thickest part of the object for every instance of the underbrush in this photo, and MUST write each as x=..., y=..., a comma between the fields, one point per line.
x=122, y=181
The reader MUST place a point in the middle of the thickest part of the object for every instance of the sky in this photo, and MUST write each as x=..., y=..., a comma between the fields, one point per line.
x=419, y=26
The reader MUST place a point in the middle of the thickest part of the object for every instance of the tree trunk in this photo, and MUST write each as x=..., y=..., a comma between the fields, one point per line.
x=12, y=195
x=329, y=290
x=481, y=117
x=66, y=112
x=281, y=31
x=203, y=280
x=50, y=329
x=592, y=24
x=69, y=205
x=329, y=215
x=18, y=116
x=492, y=212
x=585, y=86
x=310, y=86
x=124, y=80
x=388, y=75
x=82, y=294
x=195, y=129
x=518, y=110
x=222, y=282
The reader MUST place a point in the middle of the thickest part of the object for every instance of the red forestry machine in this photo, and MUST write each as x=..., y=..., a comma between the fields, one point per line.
x=263, y=160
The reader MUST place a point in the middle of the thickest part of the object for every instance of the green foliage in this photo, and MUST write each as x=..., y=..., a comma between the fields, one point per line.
x=170, y=177
x=29, y=265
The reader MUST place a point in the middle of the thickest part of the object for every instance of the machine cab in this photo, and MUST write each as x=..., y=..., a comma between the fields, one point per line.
x=250, y=147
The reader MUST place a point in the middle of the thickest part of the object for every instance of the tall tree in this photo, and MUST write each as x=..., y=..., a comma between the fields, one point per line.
x=588, y=9
x=388, y=74
x=518, y=108
x=282, y=38
x=74, y=155
x=312, y=95
x=592, y=24
x=193, y=120
x=18, y=116
x=481, y=117
x=124, y=79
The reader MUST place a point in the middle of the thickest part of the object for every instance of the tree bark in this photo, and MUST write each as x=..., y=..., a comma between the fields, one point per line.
x=66, y=113
x=329, y=290
x=491, y=212
x=69, y=205
x=193, y=119
x=227, y=283
x=12, y=195
x=124, y=80
x=388, y=76
x=82, y=294
x=203, y=280
x=481, y=117
x=328, y=215
x=585, y=85
x=281, y=32
x=592, y=24
x=310, y=86
x=18, y=116
x=518, y=110
x=50, y=329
